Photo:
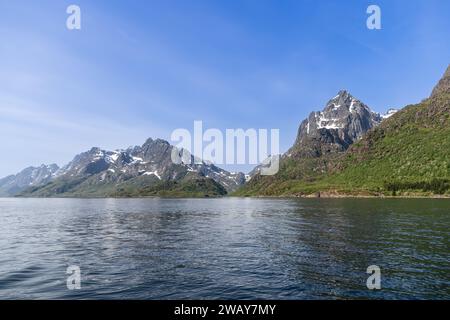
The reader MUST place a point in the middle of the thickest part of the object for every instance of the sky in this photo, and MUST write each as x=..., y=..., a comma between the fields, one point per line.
x=140, y=69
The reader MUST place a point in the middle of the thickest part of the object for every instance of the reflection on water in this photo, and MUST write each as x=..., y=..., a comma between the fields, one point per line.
x=224, y=248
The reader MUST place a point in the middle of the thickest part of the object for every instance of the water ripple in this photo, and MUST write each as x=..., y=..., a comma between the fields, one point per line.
x=224, y=248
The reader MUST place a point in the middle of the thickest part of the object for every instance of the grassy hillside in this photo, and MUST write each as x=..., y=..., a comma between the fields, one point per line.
x=409, y=154
x=141, y=186
x=193, y=187
x=293, y=174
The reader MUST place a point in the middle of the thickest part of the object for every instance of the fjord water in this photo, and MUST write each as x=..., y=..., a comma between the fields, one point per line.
x=228, y=248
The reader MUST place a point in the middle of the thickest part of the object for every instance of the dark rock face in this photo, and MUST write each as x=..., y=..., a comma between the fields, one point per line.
x=343, y=121
x=29, y=177
x=444, y=84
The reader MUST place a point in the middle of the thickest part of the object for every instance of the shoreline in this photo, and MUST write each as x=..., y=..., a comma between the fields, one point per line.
x=337, y=195
x=311, y=196
x=345, y=197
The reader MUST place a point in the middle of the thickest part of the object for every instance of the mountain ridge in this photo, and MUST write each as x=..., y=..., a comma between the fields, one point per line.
x=145, y=170
x=30, y=176
x=408, y=154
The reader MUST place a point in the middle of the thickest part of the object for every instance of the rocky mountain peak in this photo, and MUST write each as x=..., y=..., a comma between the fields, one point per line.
x=443, y=85
x=344, y=103
x=148, y=141
x=343, y=120
x=93, y=151
x=342, y=99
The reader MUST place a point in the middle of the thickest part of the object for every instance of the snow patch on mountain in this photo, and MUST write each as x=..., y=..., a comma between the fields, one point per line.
x=343, y=120
x=389, y=113
x=153, y=158
x=155, y=173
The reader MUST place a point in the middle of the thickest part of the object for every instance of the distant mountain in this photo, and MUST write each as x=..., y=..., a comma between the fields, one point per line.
x=321, y=137
x=32, y=176
x=344, y=120
x=138, y=171
x=354, y=151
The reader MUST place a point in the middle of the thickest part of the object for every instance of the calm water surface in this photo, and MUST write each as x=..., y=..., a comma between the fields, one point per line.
x=224, y=248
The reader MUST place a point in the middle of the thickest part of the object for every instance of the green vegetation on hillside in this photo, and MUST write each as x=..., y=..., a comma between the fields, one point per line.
x=408, y=154
x=143, y=186
x=197, y=188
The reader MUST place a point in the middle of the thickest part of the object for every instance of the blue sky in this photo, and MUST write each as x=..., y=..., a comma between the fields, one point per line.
x=140, y=69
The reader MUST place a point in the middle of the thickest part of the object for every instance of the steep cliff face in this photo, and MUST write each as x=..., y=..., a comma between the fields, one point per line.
x=343, y=121
x=443, y=86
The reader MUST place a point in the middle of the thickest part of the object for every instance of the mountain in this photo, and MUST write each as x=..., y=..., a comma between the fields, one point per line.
x=406, y=153
x=32, y=176
x=145, y=170
x=344, y=120
x=321, y=137
x=443, y=87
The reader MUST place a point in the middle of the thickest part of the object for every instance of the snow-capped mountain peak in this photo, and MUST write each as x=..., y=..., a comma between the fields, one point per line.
x=342, y=121
x=151, y=160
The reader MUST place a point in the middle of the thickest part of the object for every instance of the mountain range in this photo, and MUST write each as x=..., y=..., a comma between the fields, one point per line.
x=145, y=170
x=344, y=150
